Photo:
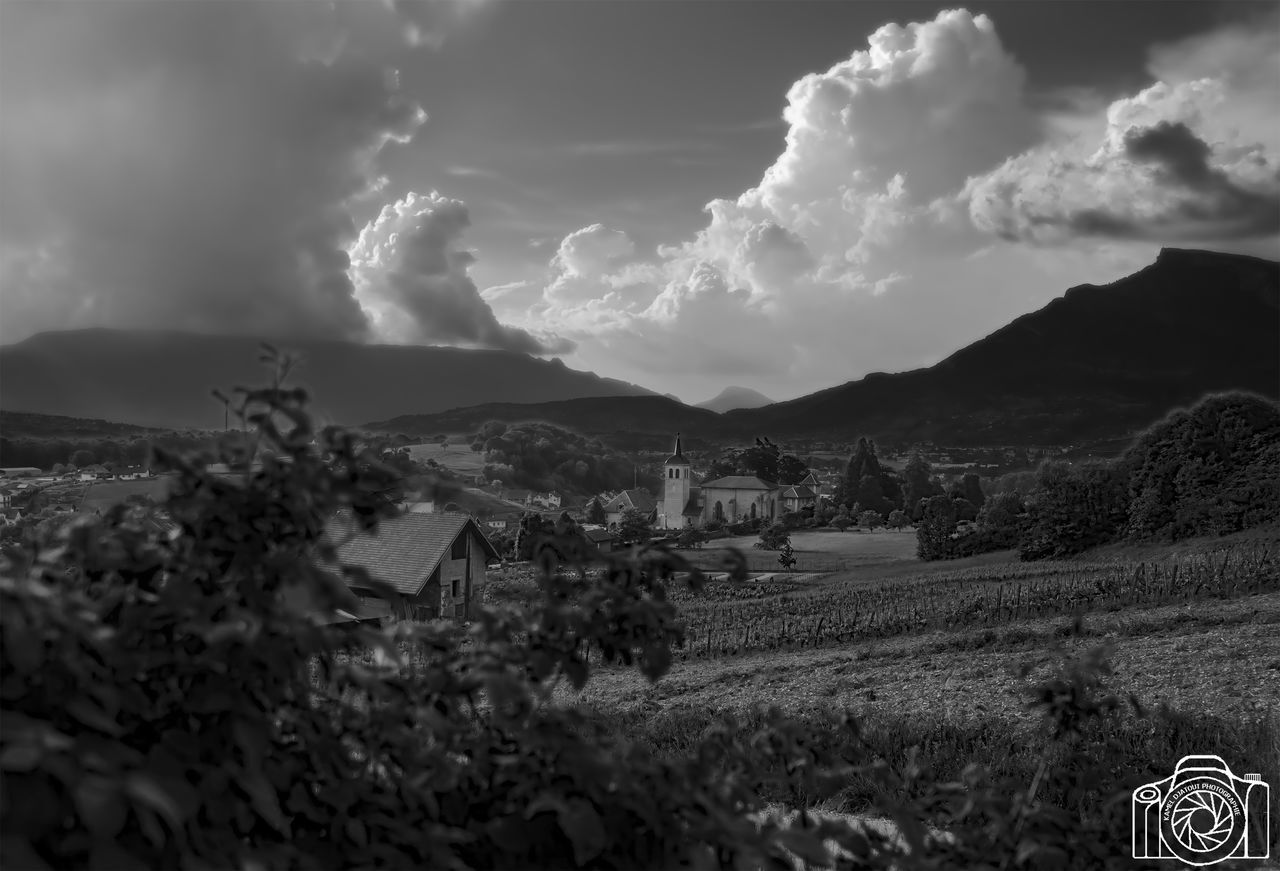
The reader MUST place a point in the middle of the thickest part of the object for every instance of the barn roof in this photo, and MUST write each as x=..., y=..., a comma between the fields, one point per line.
x=406, y=549
x=739, y=482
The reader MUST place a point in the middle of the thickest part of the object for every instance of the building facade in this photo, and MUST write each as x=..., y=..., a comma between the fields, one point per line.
x=731, y=499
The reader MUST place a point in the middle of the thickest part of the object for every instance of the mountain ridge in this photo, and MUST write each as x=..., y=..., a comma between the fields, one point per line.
x=733, y=398
x=1097, y=363
x=164, y=378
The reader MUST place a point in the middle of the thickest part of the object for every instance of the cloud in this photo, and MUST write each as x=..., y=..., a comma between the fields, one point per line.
x=412, y=277
x=816, y=269
x=189, y=165
x=1194, y=157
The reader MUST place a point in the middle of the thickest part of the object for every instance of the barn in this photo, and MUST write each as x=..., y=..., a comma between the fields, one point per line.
x=435, y=562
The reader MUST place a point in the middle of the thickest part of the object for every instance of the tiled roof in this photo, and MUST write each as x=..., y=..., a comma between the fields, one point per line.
x=632, y=499
x=598, y=535
x=691, y=508
x=739, y=482
x=406, y=549
x=797, y=492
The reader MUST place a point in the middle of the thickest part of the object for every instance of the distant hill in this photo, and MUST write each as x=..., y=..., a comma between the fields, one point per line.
x=24, y=424
x=1099, y=362
x=599, y=415
x=732, y=398
x=164, y=379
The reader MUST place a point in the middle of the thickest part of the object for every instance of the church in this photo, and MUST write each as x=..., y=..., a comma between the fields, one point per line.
x=731, y=499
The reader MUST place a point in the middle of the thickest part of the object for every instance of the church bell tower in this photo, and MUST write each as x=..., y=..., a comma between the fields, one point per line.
x=676, y=482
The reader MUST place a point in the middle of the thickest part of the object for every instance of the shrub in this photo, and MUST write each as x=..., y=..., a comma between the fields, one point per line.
x=774, y=537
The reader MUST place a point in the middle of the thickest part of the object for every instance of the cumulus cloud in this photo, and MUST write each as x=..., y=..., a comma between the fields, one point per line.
x=1194, y=157
x=412, y=277
x=890, y=229
x=815, y=255
x=199, y=165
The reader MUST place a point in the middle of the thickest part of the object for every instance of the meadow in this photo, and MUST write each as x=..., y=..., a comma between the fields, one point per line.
x=455, y=456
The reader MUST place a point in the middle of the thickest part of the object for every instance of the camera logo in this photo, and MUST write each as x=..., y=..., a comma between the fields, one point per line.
x=1202, y=814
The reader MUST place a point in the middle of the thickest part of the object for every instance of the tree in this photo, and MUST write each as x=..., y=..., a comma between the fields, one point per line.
x=971, y=488
x=82, y=458
x=634, y=527
x=787, y=557
x=773, y=537
x=791, y=470
x=595, y=512
x=870, y=519
x=936, y=526
x=841, y=521
x=1074, y=509
x=918, y=485
x=898, y=519
x=691, y=536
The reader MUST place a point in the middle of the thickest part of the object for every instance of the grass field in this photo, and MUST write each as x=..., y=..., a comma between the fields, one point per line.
x=818, y=551
x=457, y=457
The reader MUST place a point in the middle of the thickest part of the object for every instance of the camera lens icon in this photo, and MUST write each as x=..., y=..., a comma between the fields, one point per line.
x=1203, y=820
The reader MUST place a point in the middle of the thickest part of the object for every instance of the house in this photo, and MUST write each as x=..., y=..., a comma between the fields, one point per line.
x=549, y=501
x=629, y=500
x=435, y=563
x=19, y=472
x=604, y=540
x=730, y=499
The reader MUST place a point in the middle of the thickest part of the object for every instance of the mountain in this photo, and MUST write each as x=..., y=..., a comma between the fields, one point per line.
x=1099, y=362
x=1096, y=364
x=646, y=415
x=732, y=398
x=164, y=379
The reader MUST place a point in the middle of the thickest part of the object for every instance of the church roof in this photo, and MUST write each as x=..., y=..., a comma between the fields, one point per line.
x=739, y=482
x=691, y=508
x=677, y=456
x=799, y=491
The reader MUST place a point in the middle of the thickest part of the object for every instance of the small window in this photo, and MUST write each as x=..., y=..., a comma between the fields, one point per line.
x=459, y=548
x=456, y=583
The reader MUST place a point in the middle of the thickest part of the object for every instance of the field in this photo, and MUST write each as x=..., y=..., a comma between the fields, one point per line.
x=944, y=655
x=456, y=457
x=826, y=551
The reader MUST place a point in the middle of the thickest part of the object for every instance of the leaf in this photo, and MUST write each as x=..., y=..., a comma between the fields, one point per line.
x=146, y=791
x=100, y=808
x=20, y=757
x=806, y=845
x=18, y=853
x=584, y=829
x=264, y=800
x=84, y=710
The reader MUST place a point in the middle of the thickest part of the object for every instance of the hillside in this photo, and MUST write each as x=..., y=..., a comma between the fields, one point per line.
x=732, y=398
x=22, y=424
x=600, y=415
x=164, y=379
x=1096, y=363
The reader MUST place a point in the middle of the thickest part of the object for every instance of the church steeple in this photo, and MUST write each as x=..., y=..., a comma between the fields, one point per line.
x=677, y=456
x=676, y=486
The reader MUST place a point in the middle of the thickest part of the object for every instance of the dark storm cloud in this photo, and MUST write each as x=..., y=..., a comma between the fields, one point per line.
x=195, y=165
x=1183, y=196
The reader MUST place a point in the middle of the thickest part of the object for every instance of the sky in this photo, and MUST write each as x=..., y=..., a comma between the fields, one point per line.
x=685, y=194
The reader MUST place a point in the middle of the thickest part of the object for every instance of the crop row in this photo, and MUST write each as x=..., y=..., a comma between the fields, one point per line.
x=978, y=598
